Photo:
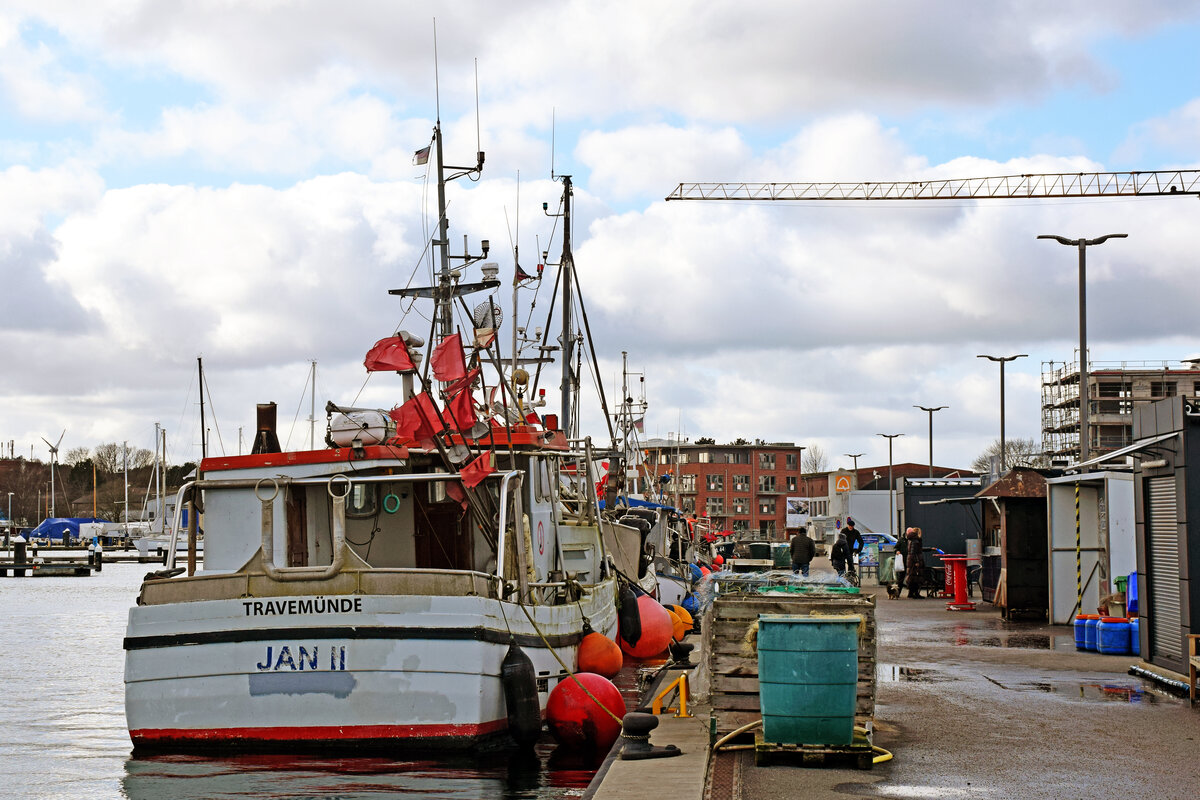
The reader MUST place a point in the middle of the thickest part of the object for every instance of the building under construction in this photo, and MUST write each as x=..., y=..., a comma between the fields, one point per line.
x=1115, y=390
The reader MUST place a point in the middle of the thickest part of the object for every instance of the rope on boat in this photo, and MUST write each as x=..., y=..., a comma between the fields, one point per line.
x=563, y=664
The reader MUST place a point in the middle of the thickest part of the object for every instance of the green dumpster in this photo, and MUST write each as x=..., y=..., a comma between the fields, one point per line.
x=781, y=556
x=808, y=678
x=760, y=550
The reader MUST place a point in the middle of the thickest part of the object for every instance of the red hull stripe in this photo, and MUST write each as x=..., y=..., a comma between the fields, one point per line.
x=323, y=733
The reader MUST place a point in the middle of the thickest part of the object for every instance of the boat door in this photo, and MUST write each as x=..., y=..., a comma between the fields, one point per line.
x=442, y=537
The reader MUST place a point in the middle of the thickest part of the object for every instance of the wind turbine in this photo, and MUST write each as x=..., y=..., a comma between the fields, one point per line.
x=53, y=461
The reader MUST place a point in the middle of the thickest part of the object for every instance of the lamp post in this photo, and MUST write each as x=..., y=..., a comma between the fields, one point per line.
x=855, y=456
x=1082, y=244
x=891, y=485
x=1002, y=360
x=931, y=410
x=8, y=530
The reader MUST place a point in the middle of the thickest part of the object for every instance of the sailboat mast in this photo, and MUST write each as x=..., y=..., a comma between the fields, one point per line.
x=203, y=436
x=312, y=413
x=568, y=335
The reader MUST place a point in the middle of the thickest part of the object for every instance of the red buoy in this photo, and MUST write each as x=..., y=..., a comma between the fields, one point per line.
x=599, y=654
x=576, y=720
x=704, y=571
x=657, y=630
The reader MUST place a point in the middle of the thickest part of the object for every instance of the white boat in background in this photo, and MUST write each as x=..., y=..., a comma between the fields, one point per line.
x=415, y=584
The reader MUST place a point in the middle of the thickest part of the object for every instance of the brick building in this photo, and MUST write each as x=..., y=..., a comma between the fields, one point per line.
x=740, y=487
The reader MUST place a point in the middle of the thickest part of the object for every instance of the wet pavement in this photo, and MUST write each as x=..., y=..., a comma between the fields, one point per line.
x=974, y=706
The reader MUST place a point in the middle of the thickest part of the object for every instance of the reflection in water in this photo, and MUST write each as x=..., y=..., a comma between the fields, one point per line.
x=545, y=773
x=1113, y=692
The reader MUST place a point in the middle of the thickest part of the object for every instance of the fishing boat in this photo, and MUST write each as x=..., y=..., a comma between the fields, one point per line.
x=421, y=581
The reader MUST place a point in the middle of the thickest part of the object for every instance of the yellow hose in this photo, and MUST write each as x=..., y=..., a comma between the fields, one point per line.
x=884, y=755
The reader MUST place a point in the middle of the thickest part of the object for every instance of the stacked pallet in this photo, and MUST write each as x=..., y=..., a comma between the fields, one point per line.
x=731, y=658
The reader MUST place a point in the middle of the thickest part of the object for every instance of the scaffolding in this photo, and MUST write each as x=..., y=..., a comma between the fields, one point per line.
x=1115, y=390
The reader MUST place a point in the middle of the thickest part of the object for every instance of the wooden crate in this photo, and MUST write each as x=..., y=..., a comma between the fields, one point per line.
x=732, y=661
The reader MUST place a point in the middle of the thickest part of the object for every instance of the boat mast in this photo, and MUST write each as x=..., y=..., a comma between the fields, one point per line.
x=203, y=437
x=567, y=265
x=312, y=413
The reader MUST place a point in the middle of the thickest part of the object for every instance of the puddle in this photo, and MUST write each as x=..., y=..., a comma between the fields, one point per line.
x=1112, y=692
x=894, y=673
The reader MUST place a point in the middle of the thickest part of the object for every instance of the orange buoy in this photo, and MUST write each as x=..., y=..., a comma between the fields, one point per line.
x=704, y=571
x=678, y=629
x=578, y=721
x=718, y=560
x=599, y=654
x=657, y=630
x=684, y=616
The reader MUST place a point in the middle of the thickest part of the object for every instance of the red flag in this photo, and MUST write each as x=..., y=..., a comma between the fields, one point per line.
x=447, y=362
x=389, y=355
x=474, y=473
x=456, y=492
x=417, y=419
x=460, y=411
x=463, y=383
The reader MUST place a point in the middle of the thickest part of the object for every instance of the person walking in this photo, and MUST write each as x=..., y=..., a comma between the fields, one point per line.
x=803, y=550
x=839, y=554
x=914, y=563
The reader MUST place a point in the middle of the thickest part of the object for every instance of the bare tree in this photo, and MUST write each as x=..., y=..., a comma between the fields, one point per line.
x=76, y=455
x=813, y=459
x=1017, y=453
x=111, y=457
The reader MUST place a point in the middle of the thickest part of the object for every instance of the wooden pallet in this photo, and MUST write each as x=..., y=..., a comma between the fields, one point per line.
x=858, y=753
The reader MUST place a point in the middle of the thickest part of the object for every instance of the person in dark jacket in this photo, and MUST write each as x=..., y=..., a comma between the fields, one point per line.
x=839, y=554
x=803, y=550
x=854, y=543
x=914, y=563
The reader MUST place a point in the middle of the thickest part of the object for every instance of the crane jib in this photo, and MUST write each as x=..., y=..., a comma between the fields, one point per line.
x=1078, y=184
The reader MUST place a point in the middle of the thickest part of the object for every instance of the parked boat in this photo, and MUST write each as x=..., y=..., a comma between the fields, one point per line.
x=422, y=581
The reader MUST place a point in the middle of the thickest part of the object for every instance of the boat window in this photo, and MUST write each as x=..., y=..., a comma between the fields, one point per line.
x=541, y=479
x=363, y=500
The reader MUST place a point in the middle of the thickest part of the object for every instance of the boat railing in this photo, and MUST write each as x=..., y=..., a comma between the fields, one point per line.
x=319, y=572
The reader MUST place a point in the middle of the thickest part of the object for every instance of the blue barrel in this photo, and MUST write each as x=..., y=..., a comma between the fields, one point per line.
x=1135, y=636
x=1089, y=637
x=1131, y=594
x=808, y=678
x=1080, y=632
x=1112, y=636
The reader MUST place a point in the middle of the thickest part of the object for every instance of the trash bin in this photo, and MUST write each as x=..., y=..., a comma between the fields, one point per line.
x=781, y=556
x=1131, y=595
x=808, y=678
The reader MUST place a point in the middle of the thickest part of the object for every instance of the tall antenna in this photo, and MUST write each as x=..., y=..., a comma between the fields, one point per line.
x=437, y=86
x=478, y=146
x=552, y=121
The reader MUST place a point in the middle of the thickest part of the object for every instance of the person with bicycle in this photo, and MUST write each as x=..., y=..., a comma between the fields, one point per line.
x=855, y=543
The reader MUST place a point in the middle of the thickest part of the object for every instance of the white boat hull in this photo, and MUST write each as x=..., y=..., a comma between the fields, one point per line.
x=381, y=671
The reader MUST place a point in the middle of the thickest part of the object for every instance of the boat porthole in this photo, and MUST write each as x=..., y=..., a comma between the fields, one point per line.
x=391, y=503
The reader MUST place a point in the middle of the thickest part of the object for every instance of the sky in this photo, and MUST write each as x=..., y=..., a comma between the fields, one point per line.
x=234, y=181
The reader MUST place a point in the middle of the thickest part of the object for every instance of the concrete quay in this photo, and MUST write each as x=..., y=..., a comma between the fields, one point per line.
x=971, y=706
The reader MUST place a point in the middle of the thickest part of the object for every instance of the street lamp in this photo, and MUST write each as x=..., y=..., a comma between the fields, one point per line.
x=855, y=456
x=1002, y=360
x=1082, y=244
x=931, y=410
x=891, y=486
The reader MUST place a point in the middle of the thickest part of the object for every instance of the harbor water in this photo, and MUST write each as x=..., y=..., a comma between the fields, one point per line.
x=63, y=734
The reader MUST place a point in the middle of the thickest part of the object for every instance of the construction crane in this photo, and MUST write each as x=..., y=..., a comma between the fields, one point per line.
x=1075, y=184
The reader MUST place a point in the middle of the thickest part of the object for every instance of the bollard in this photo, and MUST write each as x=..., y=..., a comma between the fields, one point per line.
x=635, y=738
x=99, y=556
x=91, y=554
x=19, y=556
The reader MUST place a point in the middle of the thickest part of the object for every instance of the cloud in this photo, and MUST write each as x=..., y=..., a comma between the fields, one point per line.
x=37, y=84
